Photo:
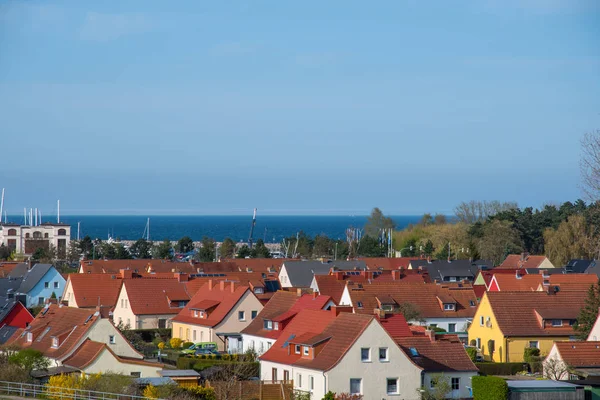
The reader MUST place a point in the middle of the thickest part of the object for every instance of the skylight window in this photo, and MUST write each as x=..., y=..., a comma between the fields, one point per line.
x=39, y=339
x=359, y=304
x=414, y=352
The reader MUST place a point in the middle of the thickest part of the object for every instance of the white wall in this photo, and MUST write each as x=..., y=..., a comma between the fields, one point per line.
x=101, y=332
x=374, y=374
x=69, y=295
x=266, y=373
x=555, y=359
x=122, y=312
x=259, y=344
x=283, y=278
x=465, y=383
x=106, y=362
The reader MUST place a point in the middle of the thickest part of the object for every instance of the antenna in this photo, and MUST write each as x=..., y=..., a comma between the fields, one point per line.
x=58, y=211
x=2, y=204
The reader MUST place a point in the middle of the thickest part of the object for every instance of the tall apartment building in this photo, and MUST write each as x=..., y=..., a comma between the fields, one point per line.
x=26, y=239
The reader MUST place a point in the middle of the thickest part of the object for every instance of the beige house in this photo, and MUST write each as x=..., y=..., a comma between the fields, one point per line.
x=82, y=339
x=150, y=303
x=218, y=312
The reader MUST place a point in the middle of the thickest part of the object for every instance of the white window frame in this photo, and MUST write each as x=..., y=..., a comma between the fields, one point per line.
x=299, y=379
x=241, y=316
x=195, y=313
x=359, y=384
x=560, y=322
x=449, y=307
x=297, y=348
x=537, y=344
x=481, y=320
x=112, y=339
x=54, y=342
x=269, y=324
x=311, y=383
x=387, y=354
x=55, y=285
x=397, y=391
x=368, y=359
x=305, y=350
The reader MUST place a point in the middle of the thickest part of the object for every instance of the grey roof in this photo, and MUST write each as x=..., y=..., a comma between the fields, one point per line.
x=541, y=384
x=300, y=273
x=31, y=277
x=442, y=270
x=178, y=373
x=549, y=271
x=19, y=270
x=157, y=381
x=6, y=332
x=6, y=304
x=44, y=373
x=579, y=266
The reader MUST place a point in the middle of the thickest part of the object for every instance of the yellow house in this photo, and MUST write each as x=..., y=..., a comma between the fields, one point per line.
x=505, y=323
x=217, y=313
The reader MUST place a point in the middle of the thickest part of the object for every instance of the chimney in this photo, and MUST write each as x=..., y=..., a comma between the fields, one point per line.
x=430, y=334
x=428, y=259
x=337, y=310
x=210, y=284
x=315, y=294
x=232, y=287
x=222, y=285
x=379, y=313
x=181, y=276
x=126, y=273
x=298, y=292
x=395, y=275
x=339, y=275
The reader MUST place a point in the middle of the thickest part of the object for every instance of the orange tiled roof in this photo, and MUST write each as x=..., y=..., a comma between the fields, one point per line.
x=423, y=295
x=396, y=326
x=445, y=354
x=375, y=263
x=219, y=291
x=580, y=354
x=154, y=296
x=91, y=290
x=531, y=282
x=85, y=354
x=517, y=313
x=337, y=334
x=515, y=261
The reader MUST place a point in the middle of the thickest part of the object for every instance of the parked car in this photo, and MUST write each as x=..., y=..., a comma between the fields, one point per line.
x=205, y=352
x=197, y=346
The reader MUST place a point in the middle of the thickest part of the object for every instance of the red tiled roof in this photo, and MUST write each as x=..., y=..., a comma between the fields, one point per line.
x=375, y=263
x=580, y=354
x=91, y=290
x=85, y=354
x=479, y=290
x=531, y=282
x=516, y=261
x=396, y=326
x=423, y=295
x=259, y=264
x=445, y=354
x=65, y=322
x=151, y=296
x=204, y=304
x=342, y=331
x=517, y=312
x=222, y=293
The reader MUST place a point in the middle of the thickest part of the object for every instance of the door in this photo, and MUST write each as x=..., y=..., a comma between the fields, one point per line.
x=274, y=374
x=286, y=375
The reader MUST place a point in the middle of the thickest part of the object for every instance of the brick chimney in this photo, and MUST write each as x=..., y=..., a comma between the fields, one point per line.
x=430, y=334
x=298, y=292
x=339, y=275
x=210, y=284
x=379, y=313
x=222, y=285
x=337, y=310
x=315, y=294
x=181, y=276
x=126, y=273
x=396, y=275
x=232, y=287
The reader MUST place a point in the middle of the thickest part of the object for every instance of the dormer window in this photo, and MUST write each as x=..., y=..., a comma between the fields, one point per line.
x=305, y=350
x=259, y=290
x=449, y=307
x=276, y=326
x=557, y=322
x=29, y=337
x=54, y=342
x=297, y=349
x=268, y=324
x=196, y=313
x=387, y=307
x=359, y=304
x=472, y=303
x=202, y=314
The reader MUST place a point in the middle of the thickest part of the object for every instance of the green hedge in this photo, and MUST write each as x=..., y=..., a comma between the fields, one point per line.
x=198, y=364
x=148, y=335
x=491, y=368
x=489, y=388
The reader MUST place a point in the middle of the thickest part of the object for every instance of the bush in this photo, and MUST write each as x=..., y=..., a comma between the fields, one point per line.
x=489, y=368
x=175, y=343
x=489, y=388
x=531, y=354
x=472, y=352
x=329, y=396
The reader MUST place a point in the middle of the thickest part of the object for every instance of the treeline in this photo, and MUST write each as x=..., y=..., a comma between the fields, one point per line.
x=492, y=230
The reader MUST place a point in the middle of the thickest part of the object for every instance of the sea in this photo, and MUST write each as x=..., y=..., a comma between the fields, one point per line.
x=272, y=229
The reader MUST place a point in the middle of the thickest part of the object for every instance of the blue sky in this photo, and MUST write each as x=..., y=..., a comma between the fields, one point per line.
x=312, y=107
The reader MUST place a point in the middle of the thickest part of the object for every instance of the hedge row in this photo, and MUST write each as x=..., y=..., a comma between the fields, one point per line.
x=489, y=388
x=490, y=368
x=199, y=365
x=148, y=335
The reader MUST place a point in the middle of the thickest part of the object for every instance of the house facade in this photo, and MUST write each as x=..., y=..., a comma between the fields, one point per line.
x=26, y=239
x=40, y=282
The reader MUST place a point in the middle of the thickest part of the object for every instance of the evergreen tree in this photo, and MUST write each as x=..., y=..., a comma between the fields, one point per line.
x=207, y=251
x=589, y=313
x=260, y=250
x=227, y=249
x=244, y=252
x=185, y=245
x=163, y=250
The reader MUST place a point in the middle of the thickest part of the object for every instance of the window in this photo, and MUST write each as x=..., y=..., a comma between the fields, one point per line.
x=254, y=314
x=62, y=232
x=392, y=385
x=180, y=332
x=311, y=382
x=111, y=339
x=194, y=335
x=122, y=303
x=359, y=304
x=136, y=374
x=54, y=342
x=297, y=349
x=268, y=324
x=182, y=304
x=573, y=322
x=29, y=337
x=162, y=323
x=451, y=328
x=196, y=313
x=472, y=303
x=481, y=321
x=259, y=290
x=478, y=344
x=27, y=235
x=557, y=322
x=241, y=315
x=455, y=383
x=383, y=354
x=55, y=285
x=187, y=334
x=46, y=235
x=448, y=307
x=299, y=379
x=355, y=386
x=534, y=344
x=276, y=326
x=365, y=354
x=46, y=285
x=41, y=301
x=306, y=351
x=12, y=232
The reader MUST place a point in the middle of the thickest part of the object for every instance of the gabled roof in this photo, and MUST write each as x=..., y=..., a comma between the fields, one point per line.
x=579, y=265
x=300, y=273
x=259, y=264
x=220, y=292
x=532, y=282
x=522, y=261
x=445, y=354
x=443, y=270
x=423, y=295
x=338, y=332
x=517, y=313
x=139, y=265
x=91, y=290
x=85, y=354
x=396, y=326
x=386, y=263
x=57, y=320
x=580, y=354
x=31, y=277
x=153, y=296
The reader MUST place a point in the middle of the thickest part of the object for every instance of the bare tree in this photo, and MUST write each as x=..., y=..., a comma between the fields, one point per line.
x=556, y=369
x=590, y=165
x=473, y=211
